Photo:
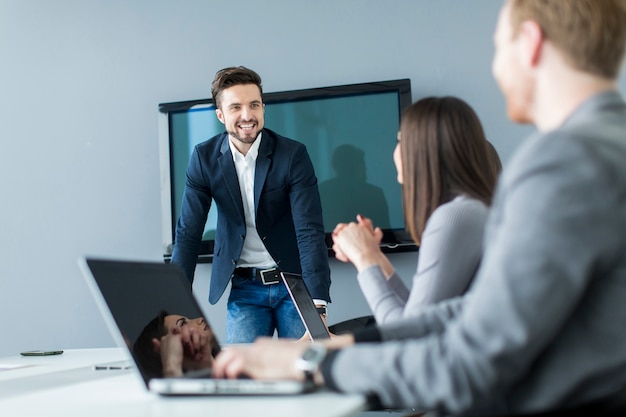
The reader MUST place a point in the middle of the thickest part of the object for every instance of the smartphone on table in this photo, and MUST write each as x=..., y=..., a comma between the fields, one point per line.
x=41, y=352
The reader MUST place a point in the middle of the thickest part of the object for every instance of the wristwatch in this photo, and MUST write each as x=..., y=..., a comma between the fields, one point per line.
x=310, y=361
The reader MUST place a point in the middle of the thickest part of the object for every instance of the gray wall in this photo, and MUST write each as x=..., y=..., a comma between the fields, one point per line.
x=79, y=86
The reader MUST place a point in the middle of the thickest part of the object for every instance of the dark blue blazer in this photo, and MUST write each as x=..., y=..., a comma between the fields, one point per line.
x=288, y=212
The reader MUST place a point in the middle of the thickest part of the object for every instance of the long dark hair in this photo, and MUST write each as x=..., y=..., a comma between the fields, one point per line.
x=143, y=350
x=444, y=154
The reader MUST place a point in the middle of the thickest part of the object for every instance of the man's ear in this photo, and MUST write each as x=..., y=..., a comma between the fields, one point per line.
x=156, y=345
x=530, y=43
x=220, y=115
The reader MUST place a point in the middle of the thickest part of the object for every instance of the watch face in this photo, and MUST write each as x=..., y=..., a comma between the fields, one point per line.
x=312, y=357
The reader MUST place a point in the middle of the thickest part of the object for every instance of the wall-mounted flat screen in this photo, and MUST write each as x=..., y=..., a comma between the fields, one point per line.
x=350, y=134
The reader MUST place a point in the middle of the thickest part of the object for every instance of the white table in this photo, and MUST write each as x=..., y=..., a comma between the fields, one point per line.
x=67, y=385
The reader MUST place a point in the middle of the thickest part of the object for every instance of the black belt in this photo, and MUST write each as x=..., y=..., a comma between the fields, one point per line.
x=266, y=276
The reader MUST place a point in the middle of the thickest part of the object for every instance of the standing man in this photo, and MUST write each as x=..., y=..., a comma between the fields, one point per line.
x=269, y=214
x=542, y=326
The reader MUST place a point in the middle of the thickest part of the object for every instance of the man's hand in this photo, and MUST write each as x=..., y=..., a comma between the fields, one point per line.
x=338, y=341
x=265, y=359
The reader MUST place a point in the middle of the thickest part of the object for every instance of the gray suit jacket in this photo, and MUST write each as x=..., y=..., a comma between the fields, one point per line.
x=542, y=326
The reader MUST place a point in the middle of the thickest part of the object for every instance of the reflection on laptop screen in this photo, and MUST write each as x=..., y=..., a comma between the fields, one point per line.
x=146, y=300
x=140, y=302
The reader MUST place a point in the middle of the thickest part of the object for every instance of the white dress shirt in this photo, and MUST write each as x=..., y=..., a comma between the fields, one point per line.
x=253, y=254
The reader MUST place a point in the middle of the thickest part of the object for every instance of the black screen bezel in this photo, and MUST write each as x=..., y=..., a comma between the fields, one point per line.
x=394, y=240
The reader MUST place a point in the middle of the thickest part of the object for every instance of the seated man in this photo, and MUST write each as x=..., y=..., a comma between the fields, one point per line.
x=542, y=326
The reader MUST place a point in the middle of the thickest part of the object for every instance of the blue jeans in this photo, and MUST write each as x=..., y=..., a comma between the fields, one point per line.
x=257, y=310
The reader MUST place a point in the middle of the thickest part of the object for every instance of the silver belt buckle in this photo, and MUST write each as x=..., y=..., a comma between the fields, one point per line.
x=267, y=281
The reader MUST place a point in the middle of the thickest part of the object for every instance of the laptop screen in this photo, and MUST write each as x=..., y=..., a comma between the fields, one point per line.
x=145, y=300
x=305, y=306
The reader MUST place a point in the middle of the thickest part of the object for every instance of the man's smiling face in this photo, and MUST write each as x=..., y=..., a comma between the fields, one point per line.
x=242, y=112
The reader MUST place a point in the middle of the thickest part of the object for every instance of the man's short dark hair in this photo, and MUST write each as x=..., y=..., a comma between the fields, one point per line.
x=231, y=76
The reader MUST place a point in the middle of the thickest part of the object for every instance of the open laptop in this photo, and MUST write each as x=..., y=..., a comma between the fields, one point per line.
x=304, y=304
x=134, y=297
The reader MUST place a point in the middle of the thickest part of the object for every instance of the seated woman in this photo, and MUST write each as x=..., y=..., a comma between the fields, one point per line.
x=448, y=172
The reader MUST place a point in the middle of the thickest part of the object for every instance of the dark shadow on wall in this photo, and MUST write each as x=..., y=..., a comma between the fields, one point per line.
x=349, y=193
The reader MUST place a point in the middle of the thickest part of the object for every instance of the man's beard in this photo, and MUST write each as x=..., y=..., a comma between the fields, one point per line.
x=246, y=140
x=249, y=138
